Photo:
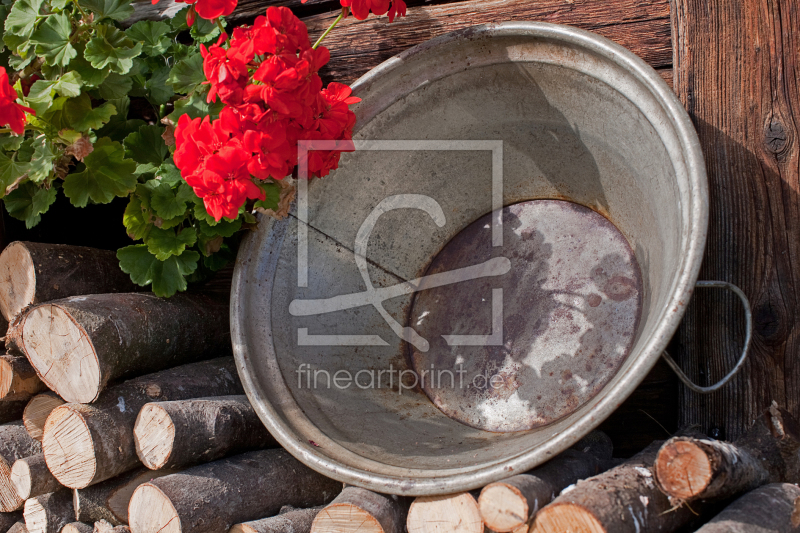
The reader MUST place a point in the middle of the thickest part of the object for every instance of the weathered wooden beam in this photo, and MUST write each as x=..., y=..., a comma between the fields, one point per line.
x=736, y=71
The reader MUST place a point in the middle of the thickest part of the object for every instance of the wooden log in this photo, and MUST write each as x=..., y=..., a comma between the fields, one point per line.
x=109, y=500
x=362, y=510
x=624, y=499
x=772, y=508
x=733, y=61
x=18, y=379
x=689, y=469
x=102, y=526
x=37, y=411
x=86, y=444
x=289, y=520
x=49, y=513
x=232, y=490
x=77, y=345
x=187, y=432
x=510, y=504
x=77, y=527
x=11, y=410
x=31, y=478
x=7, y=520
x=454, y=513
x=15, y=443
x=18, y=527
x=32, y=273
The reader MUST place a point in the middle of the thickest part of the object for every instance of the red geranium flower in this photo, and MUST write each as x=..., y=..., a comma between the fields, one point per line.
x=210, y=9
x=12, y=114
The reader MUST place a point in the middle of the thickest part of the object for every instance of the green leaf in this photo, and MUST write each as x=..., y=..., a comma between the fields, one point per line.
x=115, y=86
x=187, y=74
x=224, y=227
x=90, y=76
x=81, y=115
x=154, y=36
x=203, y=31
x=146, y=146
x=273, y=192
x=168, y=173
x=10, y=170
x=52, y=40
x=42, y=92
x=164, y=243
x=168, y=202
x=22, y=18
x=195, y=106
x=106, y=175
x=111, y=48
x=13, y=142
x=42, y=160
x=120, y=126
x=178, y=20
x=118, y=10
x=137, y=219
x=167, y=277
x=28, y=202
x=160, y=90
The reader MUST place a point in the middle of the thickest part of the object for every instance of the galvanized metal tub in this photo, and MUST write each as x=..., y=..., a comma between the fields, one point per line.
x=580, y=118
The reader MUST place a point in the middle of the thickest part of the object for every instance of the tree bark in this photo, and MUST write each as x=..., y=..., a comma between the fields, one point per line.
x=187, y=432
x=624, y=499
x=7, y=520
x=736, y=71
x=772, y=508
x=32, y=273
x=102, y=526
x=79, y=344
x=36, y=412
x=15, y=443
x=86, y=444
x=289, y=520
x=49, y=513
x=213, y=497
x=11, y=410
x=691, y=469
x=362, y=510
x=109, y=500
x=18, y=379
x=510, y=504
x=77, y=527
x=31, y=478
x=456, y=513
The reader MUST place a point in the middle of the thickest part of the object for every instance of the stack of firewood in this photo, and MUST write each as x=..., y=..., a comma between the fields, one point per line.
x=121, y=411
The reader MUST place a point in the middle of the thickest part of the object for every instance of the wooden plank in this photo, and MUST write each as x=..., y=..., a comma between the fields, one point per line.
x=737, y=72
x=357, y=46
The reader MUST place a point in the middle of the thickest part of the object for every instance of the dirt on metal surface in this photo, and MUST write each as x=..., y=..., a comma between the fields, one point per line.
x=570, y=309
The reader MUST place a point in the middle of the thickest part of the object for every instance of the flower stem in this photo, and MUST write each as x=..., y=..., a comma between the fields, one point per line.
x=220, y=26
x=335, y=22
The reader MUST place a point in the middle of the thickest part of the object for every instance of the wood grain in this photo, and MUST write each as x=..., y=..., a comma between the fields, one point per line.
x=357, y=46
x=736, y=72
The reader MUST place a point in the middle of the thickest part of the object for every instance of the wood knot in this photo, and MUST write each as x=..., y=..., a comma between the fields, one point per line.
x=153, y=390
x=776, y=137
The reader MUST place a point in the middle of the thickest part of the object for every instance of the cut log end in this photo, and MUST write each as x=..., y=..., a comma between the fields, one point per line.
x=9, y=499
x=503, y=507
x=343, y=517
x=35, y=516
x=439, y=514
x=566, y=517
x=154, y=434
x=151, y=510
x=18, y=277
x=69, y=448
x=37, y=411
x=21, y=479
x=49, y=332
x=683, y=469
x=77, y=527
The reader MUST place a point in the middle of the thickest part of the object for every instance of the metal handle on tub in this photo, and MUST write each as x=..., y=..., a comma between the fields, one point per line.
x=748, y=316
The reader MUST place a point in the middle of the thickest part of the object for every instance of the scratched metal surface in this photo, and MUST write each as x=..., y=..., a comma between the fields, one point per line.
x=581, y=119
x=570, y=306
